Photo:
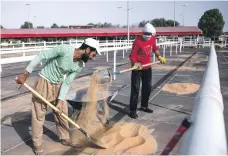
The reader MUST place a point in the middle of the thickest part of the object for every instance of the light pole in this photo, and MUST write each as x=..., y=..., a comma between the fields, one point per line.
x=183, y=5
x=174, y=23
x=118, y=8
x=28, y=15
x=128, y=33
x=180, y=19
x=35, y=26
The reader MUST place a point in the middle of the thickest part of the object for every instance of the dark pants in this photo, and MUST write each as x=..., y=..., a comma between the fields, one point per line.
x=136, y=77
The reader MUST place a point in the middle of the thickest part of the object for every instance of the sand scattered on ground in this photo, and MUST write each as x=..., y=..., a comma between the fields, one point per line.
x=182, y=68
x=120, y=138
x=175, y=59
x=181, y=88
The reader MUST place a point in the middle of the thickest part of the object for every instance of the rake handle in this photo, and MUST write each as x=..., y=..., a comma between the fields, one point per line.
x=49, y=104
x=126, y=70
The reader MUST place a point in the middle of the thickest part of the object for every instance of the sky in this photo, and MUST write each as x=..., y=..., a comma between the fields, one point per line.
x=74, y=12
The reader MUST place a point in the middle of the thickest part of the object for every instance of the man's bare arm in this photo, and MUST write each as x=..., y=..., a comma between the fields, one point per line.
x=157, y=53
x=161, y=59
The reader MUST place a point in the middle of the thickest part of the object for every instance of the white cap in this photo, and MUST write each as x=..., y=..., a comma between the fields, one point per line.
x=149, y=28
x=93, y=43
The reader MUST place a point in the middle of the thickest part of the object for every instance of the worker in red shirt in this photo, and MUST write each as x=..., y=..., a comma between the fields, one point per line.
x=141, y=54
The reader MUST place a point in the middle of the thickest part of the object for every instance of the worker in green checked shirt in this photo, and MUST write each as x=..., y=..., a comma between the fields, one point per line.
x=63, y=64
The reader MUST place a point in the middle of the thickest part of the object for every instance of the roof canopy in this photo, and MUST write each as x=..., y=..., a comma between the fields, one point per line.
x=66, y=32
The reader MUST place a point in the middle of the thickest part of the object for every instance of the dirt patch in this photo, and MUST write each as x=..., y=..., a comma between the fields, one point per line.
x=176, y=59
x=181, y=88
x=182, y=68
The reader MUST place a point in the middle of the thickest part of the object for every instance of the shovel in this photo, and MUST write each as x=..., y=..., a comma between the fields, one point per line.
x=133, y=68
x=106, y=73
x=90, y=139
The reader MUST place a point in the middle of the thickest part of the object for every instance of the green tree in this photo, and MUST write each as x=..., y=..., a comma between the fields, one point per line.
x=211, y=23
x=142, y=23
x=170, y=23
x=162, y=22
x=103, y=25
x=63, y=26
x=27, y=25
x=54, y=25
x=159, y=22
x=40, y=27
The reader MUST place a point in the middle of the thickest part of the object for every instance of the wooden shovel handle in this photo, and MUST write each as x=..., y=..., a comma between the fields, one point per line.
x=49, y=104
x=126, y=70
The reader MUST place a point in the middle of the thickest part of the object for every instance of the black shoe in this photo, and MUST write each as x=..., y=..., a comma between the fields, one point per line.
x=148, y=110
x=133, y=115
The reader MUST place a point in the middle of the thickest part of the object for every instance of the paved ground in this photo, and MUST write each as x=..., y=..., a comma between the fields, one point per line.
x=169, y=109
x=223, y=73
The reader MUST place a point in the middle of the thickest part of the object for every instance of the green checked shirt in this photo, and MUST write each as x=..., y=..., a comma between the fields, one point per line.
x=59, y=67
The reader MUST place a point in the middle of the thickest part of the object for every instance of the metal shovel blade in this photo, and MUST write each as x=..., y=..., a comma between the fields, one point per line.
x=92, y=141
x=105, y=77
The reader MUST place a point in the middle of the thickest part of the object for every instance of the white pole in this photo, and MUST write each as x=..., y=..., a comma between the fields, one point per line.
x=170, y=49
x=154, y=57
x=28, y=15
x=23, y=46
x=44, y=44
x=180, y=46
x=114, y=65
x=176, y=47
x=225, y=41
x=174, y=23
x=35, y=25
x=123, y=53
x=183, y=12
x=164, y=51
x=107, y=51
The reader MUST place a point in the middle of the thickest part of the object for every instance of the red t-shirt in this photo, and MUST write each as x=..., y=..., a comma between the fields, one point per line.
x=142, y=50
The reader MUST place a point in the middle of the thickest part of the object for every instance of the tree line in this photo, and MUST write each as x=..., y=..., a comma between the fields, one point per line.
x=211, y=23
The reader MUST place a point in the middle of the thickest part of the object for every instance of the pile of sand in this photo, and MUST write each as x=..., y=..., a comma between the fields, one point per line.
x=181, y=88
x=128, y=138
x=121, y=138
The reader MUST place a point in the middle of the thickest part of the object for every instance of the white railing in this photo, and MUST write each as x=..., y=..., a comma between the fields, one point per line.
x=105, y=47
x=207, y=135
x=105, y=50
x=23, y=45
x=38, y=49
x=170, y=44
x=50, y=45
